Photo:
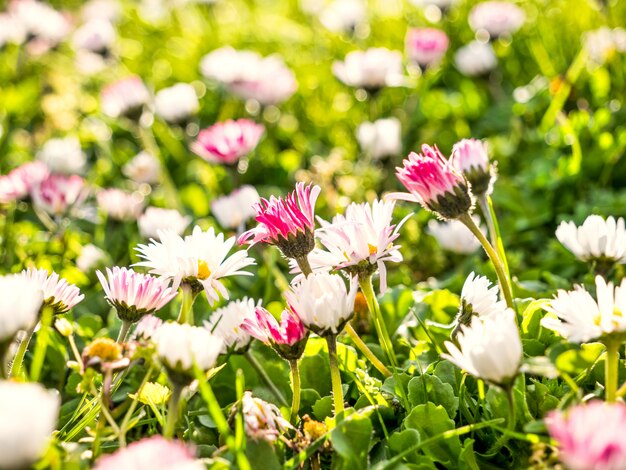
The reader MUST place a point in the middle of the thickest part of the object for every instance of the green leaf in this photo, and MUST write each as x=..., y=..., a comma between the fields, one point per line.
x=262, y=451
x=431, y=420
x=575, y=361
x=351, y=440
x=323, y=408
x=88, y=325
x=425, y=388
x=467, y=459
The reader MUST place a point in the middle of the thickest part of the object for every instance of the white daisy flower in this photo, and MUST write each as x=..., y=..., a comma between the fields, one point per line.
x=20, y=301
x=596, y=239
x=454, y=236
x=226, y=323
x=155, y=219
x=57, y=292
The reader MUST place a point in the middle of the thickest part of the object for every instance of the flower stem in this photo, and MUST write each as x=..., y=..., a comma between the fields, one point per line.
x=486, y=206
x=493, y=256
x=186, y=306
x=335, y=377
x=367, y=352
x=304, y=265
x=124, y=329
x=266, y=378
x=295, y=384
x=16, y=365
x=381, y=329
x=611, y=365
x=132, y=407
x=173, y=411
x=510, y=425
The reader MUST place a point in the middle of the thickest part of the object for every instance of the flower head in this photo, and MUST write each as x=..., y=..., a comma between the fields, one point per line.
x=143, y=168
x=45, y=26
x=63, y=155
x=120, y=205
x=434, y=183
x=20, y=181
x=57, y=194
x=287, y=338
x=147, y=327
x=590, y=436
x=29, y=416
x=322, y=302
x=104, y=354
x=454, y=236
x=372, y=69
x=235, y=209
x=262, y=420
x=95, y=36
x=479, y=298
x=343, y=16
x=581, y=318
x=496, y=18
x=226, y=323
x=125, y=97
x=490, y=348
x=177, y=103
x=426, y=46
x=475, y=59
x=90, y=256
x=602, y=43
x=58, y=294
x=20, y=301
x=135, y=295
x=226, y=142
x=152, y=453
x=470, y=157
x=155, y=219
x=199, y=259
x=597, y=239
x=381, y=138
x=288, y=223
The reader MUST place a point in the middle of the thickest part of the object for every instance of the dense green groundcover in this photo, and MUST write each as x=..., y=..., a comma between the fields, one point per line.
x=554, y=123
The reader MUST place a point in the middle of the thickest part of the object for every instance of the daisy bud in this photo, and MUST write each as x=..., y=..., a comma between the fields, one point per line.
x=489, y=349
x=120, y=205
x=135, y=295
x=58, y=294
x=147, y=327
x=590, y=436
x=179, y=346
x=125, y=98
x=64, y=326
x=20, y=301
x=371, y=70
x=580, y=318
x=200, y=260
x=57, y=194
x=143, y=168
x=496, y=18
x=235, y=209
x=469, y=157
x=29, y=416
x=151, y=453
x=322, y=302
x=475, y=59
x=426, y=46
x=155, y=219
x=596, y=240
x=226, y=323
x=287, y=338
x=262, y=420
x=63, y=156
x=434, y=183
x=288, y=223
x=454, y=236
x=177, y=103
x=20, y=181
x=381, y=138
x=226, y=142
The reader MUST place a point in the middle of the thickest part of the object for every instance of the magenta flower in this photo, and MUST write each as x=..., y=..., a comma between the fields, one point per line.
x=434, y=183
x=226, y=142
x=57, y=194
x=591, y=436
x=152, y=453
x=125, y=97
x=288, y=338
x=469, y=157
x=426, y=46
x=288, y=223
x=20, y=181
x=134, y=294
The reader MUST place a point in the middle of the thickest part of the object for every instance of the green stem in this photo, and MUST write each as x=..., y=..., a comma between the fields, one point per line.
x=295, y=385
x=173, y=411
x=186, y=306
x=4, y=348
x=124, y=329
x=304, y=265
x=493, y=256
x=486, y=206
x=266, y=378
x=132, y=407
x=611, y=364
x=335, y=377
x=367, y=352
x=381, y=329
x=510, y=425
x=41, y=344
x=18, y=360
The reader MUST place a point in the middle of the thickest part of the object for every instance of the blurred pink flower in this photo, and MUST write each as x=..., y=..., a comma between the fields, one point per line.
x=496, y=18
x=226, y=142
x=147, y=327
x=470, y=157
x=57, y=292
x=125, y=97
x=591, y=436
x=20, y=181
x=262, y=420
x=426, y=46
x=153, y=453
x=57, y=194
x=120, y=205
x=286, y=337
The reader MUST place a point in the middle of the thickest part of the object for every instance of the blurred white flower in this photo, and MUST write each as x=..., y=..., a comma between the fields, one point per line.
x=580, y=318
x=322, y=302
x=176, y=103
x=371, y=69
x=20, y=301
x=226, y=323
x=342, y=16
x=109, y=10
x=147, y=327
x=95, y=36
x=143, y=168
x=475, y=58
x=180, y=345
x=603, y=42
x=381, y=138
x=57, y=292
x=63, y=155
x=29, y=416
x=596, y=239
x=198, y=258
x=454, y=236
x=235, y=209
x=155, y=219
x=41, y=21
x=120, y=205
x=11, y=30
x=442, y=4
x=496, y=18
x=125, y=97
x=90, y=257
x=490, y=348
x=262, y=420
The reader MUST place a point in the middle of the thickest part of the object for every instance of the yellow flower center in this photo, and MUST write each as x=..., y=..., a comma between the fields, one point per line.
x=203, y=270
x=104, y=348
x=372, y=249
